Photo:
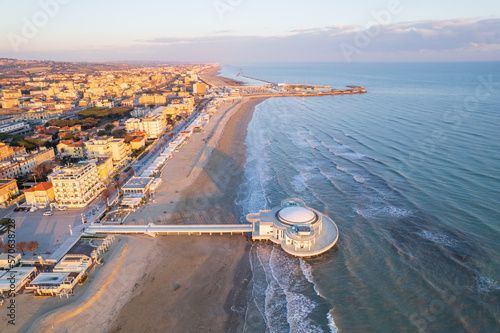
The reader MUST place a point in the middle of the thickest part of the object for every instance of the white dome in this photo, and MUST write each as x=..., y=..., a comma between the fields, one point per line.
x=296, y=214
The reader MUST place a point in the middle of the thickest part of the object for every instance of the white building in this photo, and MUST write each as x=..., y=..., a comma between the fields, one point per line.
x=55, y=283
x=107, y=146
x=23, y=165
x=17, y=127
x=15, y=278
x=300, y=230
x=154, y=125
x=73, y=263
x=77, y=185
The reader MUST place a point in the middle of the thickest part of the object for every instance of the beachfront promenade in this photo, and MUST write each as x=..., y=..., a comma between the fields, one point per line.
x=153, y=229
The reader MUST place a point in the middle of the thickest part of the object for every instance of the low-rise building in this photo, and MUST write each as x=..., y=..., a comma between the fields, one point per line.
x=42, y=193
x=77, y=263
x=8, y=188
x=15, y=128
x=76, y=150
x=136, y=190
x=16, y=169
x=15, y=278
x=22, y=165
x=54, y=283
x=138, y=142
x=76, y=185
x=147, y=99
x=4, y=151
x=7, y=260
x=137, y=187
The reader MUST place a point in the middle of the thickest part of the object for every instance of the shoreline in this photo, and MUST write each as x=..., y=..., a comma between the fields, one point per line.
x=212, y=271
x=211, y=76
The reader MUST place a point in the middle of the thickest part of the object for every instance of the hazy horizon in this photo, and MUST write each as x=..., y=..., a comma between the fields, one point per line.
x=226, y=31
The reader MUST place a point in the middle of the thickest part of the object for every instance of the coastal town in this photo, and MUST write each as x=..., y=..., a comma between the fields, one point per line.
x=83, y=154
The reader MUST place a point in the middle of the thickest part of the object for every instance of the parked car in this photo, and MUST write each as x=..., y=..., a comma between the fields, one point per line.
x=47, y=214
x=33, y=209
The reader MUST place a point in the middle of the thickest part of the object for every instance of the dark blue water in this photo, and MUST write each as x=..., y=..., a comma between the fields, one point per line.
x=410, y=172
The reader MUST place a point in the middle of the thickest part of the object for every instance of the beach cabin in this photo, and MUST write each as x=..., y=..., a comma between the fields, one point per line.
x=8, y=260
x=54, y=283
x=15, y=278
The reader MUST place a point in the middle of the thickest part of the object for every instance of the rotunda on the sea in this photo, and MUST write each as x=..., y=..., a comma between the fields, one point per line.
x=299, y=229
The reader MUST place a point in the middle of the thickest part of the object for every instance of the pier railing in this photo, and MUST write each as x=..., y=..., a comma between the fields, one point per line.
x=153, y=229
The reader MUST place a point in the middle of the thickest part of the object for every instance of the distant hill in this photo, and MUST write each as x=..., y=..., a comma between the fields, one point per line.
x=14, y=67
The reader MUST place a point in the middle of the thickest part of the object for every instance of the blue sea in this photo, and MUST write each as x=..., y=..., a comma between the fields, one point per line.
x=409, y=171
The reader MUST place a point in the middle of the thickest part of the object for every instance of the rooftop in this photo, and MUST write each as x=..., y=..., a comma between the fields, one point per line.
x=296, y=214
x=158, y=111
x=5, y=181
x=50, y=278
x=137, y=183
x=40, y=187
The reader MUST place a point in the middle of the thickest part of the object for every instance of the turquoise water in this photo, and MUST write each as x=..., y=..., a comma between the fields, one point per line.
x=410, y=172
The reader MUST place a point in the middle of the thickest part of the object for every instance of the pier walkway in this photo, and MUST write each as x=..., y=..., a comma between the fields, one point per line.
x=154, y=229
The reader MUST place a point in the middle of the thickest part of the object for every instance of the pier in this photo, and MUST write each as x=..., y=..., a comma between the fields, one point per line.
x=154, y=229
x=308, y=93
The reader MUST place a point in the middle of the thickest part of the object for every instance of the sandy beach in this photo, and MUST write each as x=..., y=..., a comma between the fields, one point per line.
x=209, y=271
x=172, y=283
x=210, y=76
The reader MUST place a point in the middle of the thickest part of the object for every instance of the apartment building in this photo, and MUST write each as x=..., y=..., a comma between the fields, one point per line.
x=199, y=89
x=107, y=146
x=147, y=99
x=76, y=185
x=154, y=126
x=23, y=165
x=14, y=128
x=8, y=152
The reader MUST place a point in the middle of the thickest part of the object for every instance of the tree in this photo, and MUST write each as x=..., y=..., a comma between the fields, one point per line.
x=32, y=246
x=41, y=171
x=21, y=246
x=105, y=194
x=109, y=127
x=68, y=136
x=119, y=133
x=101, y=133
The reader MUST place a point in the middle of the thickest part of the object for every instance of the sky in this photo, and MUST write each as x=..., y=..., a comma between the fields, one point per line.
x=251, y=30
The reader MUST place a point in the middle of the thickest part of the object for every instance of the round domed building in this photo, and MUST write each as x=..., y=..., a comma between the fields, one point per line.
x=300, y=230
